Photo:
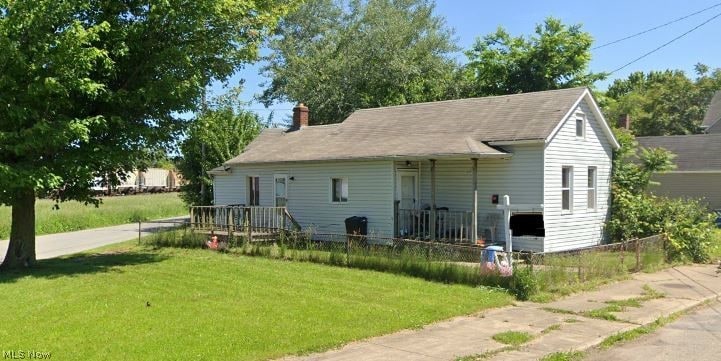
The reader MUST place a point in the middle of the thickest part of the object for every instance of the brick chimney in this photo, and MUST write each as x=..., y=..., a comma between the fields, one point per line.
x=624, y=122
x=300, y=116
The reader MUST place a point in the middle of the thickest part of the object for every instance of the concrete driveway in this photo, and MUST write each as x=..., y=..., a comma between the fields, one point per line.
x=59, y=244
x=696, y=336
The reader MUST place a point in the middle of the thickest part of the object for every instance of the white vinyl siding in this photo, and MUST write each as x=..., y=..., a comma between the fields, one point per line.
x=370, y=192
x=705, y=186
x=226, y=190
x=583, y=227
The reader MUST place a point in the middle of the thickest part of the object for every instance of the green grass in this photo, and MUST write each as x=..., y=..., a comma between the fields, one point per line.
x=715, y=247
x=554, y=327
x=209, y=305
x=73, y=216
x=635, y=333
x=513, y=338
x=564, y=356
x=614, y=306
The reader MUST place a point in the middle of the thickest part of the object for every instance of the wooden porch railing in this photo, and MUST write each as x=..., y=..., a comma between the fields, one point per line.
x=450, y=226
x=241, y=220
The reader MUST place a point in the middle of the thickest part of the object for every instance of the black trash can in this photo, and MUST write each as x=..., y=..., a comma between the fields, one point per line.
x=356, y=225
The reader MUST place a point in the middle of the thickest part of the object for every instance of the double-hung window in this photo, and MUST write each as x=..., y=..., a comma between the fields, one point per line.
x=566, y=188
x=592, y=187
x=253, y=191
x=339, y=190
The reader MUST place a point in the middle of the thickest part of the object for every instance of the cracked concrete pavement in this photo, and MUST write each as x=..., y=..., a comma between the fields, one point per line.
x=566, y=329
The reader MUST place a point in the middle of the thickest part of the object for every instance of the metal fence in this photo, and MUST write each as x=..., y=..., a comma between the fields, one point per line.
x=604, y=260
x=609, y=260
x=437, y=261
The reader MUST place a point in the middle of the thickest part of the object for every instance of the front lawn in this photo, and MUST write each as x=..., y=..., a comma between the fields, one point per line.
x=129, y=302
x=73, y=216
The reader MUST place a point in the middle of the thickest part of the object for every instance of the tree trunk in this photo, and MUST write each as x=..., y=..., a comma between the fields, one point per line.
x=21, y=251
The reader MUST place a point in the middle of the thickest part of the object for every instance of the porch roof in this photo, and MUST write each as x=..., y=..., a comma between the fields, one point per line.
x=444, y=129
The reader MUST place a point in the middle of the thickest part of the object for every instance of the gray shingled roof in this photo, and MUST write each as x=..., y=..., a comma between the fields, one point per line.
x=701, y=152
x=713, y=113
x=439, y=129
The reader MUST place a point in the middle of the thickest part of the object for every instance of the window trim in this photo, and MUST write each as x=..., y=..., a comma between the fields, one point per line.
x=582, y=118
x=569, y=189
x=330, y=195
x=249, y=183
x=592, y=187
x=275, y=196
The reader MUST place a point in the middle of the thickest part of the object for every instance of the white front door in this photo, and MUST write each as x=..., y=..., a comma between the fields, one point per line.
x=407, y=189
x=281, y=190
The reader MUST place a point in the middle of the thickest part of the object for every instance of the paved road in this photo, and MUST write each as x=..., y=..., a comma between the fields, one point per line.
x=59, y=244
x=696, y=336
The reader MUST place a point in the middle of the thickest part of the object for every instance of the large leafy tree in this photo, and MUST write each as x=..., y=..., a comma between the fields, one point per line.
x=337, y=56
x=663, y=102
x=85, y=84
x=217, y=134
x=556, y=57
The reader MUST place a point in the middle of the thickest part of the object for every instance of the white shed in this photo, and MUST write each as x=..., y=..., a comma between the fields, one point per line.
x=438, y=170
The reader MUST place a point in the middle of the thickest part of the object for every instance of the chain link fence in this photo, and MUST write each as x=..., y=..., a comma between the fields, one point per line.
x=451, y=263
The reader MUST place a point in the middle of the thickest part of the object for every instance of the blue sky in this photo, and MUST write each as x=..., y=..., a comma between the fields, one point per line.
x=605, y=20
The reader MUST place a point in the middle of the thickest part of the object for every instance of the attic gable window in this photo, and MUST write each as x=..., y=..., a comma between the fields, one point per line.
x=581, y=126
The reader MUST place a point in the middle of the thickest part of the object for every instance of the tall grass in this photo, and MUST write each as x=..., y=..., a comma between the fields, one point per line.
x=73, y=216
x=540, y=277
x=178, y=238
x=565, y=273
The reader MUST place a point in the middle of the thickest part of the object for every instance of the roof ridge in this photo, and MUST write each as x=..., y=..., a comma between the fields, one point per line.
x=472, y=98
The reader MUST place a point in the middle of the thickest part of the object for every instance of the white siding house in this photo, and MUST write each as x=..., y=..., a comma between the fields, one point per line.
x=383, y=164
x=581, y=225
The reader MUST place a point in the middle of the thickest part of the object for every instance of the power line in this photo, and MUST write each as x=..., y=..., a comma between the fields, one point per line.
x=656, y=27
x=665, y=44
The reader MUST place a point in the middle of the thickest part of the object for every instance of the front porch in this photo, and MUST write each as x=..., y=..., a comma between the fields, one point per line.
x=462, y=201
x=236, y=220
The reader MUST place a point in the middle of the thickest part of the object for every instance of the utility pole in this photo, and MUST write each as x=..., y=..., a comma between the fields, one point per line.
x=204, y=108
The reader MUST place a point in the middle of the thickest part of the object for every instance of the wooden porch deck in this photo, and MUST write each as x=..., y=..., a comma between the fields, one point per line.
x=241, y=221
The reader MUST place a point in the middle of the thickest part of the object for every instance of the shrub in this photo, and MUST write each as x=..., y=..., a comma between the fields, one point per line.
x=524, y=283
x=635, y=213
x=689, y=228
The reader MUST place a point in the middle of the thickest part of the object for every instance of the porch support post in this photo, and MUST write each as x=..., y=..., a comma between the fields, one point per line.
x=474, y=221
x=433, y=199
